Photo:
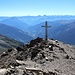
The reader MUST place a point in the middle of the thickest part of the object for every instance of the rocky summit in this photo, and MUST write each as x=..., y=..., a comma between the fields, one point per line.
x=39, y=57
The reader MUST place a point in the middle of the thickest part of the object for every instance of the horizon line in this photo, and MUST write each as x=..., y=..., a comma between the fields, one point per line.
x=33, y=15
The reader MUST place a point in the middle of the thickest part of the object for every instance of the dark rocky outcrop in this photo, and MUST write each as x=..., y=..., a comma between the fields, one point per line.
x=39, y=57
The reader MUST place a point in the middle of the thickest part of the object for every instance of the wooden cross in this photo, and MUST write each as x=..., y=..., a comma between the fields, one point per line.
x=46, y=28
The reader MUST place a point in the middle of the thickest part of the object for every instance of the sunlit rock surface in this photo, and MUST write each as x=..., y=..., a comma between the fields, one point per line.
x=41, y=57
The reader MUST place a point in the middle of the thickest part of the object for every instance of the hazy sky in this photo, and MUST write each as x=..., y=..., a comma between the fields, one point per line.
x=36, y=7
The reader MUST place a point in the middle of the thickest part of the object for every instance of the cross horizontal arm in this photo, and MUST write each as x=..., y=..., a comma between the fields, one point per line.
x=46, y=26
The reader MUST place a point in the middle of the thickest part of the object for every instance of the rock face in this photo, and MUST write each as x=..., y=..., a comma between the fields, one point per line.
x=39, y=57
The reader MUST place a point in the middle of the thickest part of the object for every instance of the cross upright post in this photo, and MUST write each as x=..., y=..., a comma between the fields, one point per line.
x=46, y=30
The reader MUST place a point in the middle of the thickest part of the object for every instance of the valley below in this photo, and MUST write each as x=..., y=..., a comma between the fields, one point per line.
x=26, y=28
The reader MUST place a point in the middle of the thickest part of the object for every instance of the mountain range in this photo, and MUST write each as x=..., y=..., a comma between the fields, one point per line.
x=66, y=33
x=15, y=22
x=33, y=20
x=25, y=28
x=62, y=30
x=15, y=33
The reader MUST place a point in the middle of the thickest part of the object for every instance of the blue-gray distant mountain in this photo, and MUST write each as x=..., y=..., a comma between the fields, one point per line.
x=15, y=22
x=32, y=24
x=3, y=18
x=33, y=20
x=66, y=33
x=63, y=30
x=37, y=29
x=15, y=33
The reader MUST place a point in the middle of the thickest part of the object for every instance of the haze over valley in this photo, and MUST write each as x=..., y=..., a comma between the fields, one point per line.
x=25, y=28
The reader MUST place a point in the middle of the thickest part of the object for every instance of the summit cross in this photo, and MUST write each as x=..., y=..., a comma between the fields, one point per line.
x=46, y=30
